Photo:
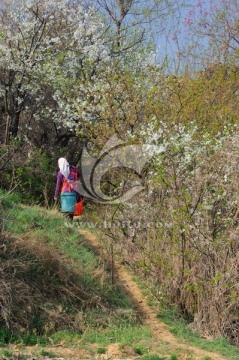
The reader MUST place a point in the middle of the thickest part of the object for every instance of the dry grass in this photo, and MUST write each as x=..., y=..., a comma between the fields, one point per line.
x=39, y=291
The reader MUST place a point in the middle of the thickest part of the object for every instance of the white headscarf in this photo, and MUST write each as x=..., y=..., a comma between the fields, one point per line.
x=64, y=167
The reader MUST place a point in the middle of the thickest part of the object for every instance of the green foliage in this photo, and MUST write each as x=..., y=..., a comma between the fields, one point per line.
x=6, y=336
x=26, y=338
x=9, y=200
x=29, y=339
x=7, y=353
x=139, y=349
x=101, y=350
x=35, y=178
x=208, y=98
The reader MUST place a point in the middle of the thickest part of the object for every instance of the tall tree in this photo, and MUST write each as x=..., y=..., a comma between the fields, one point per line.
x=134, y=22
x=38, y=60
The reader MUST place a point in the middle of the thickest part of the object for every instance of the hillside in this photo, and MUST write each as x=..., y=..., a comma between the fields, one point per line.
x=61, y=297
x=133, y=104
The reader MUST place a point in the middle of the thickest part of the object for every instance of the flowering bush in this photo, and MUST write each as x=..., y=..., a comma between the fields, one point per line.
x=182, y=231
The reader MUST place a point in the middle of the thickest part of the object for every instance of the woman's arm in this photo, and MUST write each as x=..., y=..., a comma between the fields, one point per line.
x=59, y=181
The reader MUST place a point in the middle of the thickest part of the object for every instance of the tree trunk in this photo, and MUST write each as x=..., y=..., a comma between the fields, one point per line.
x=15, y=124
x=7, y=130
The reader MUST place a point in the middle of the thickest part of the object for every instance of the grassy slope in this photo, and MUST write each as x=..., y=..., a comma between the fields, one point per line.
x=67, y=295
x=69, y=287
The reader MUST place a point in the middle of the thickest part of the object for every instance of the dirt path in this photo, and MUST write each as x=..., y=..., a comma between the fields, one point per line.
x=159, y=329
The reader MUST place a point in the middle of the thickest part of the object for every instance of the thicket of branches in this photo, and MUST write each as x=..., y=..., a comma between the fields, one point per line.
x=183, y=230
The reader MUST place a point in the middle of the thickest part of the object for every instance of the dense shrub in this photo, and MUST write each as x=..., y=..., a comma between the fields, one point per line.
x=182, y=233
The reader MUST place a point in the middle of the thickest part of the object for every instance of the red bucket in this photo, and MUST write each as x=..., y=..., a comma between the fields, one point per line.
x=79, y=208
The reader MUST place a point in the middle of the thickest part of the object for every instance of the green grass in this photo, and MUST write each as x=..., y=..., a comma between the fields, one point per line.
x=49, y=228
x=140, y=349
x=7, y=353
x=8, y=337
x=125, y=335
x=5, y=336
x=113, y=320
x=42, y=226
x=101, y=350
x=68, y=338
x=179, y=328
x=30, y=339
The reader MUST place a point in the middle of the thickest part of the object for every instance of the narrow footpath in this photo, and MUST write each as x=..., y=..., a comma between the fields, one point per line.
x=149, y=316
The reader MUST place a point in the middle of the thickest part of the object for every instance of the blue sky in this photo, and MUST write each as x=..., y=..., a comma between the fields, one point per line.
x=177, y=36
